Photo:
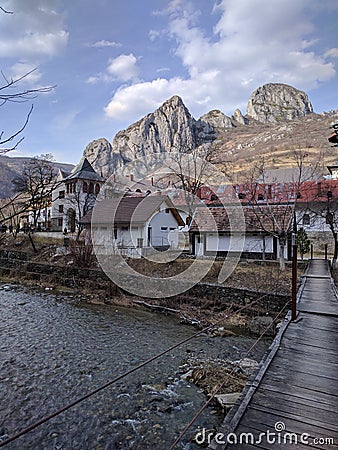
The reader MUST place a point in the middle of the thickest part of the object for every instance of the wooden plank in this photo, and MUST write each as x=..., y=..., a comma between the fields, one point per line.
x=301, y=413
x=315, y=369
x=267, y=420
x=312, y=406
x=309, y=382
x=301, y=392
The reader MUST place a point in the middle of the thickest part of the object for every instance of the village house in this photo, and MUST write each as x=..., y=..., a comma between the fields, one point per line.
x=134, y=226
x=212, y=234
x=75, y=196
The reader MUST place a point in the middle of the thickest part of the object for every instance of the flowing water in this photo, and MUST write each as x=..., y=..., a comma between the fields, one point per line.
x=53, y=351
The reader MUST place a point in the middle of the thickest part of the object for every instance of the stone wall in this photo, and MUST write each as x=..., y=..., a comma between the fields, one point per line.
x=16, y=264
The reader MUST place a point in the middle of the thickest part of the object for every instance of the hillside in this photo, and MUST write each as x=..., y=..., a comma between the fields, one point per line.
x=248, y=145
x=11, y=167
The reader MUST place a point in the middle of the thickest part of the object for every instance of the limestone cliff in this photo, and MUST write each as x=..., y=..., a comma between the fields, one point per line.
x=275, y=102
x=217, y=119
x=172, y=128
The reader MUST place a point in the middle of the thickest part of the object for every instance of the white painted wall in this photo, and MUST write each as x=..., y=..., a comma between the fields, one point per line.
x=237, y=243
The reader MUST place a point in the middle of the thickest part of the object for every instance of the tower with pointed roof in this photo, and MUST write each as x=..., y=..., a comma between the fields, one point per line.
x=75, y=196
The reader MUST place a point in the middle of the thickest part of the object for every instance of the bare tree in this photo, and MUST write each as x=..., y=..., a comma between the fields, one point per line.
x=10, y=91
x=36, y=184
x=273, y=201
x=320, y=206
x=82, y=201
x=190, y=171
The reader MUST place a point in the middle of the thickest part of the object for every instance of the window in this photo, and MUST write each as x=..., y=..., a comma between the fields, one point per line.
x=260, y=197
x=124, y=228
x=85, y=187
x=306, y=219
x=91, y=188
x=167, y=210
x=61, y=194
x=241, y=195
x=60, y=208
x=172, y=229
x=329, y=194
x=97, y=189
x=60, y=222
x=299, y=195
x=164, y=229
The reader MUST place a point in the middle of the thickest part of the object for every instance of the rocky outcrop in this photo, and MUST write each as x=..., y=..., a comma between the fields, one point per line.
x=238, y=117
x=100, y=155
x=170, y=128
x=217, y=119
x=274, y=102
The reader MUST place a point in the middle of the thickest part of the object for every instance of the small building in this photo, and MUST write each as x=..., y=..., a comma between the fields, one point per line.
x=134, y=225
x=212, y=235
x=75, y=196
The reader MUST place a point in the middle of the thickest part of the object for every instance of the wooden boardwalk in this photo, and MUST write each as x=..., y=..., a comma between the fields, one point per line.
x=298, y=392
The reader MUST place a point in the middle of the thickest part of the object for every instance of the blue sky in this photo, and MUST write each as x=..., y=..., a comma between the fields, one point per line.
x=114, y=61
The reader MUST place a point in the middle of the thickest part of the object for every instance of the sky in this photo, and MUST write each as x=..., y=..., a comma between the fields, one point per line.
x=114, y=61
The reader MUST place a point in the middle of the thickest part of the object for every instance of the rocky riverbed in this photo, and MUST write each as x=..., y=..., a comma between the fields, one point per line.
x=55, y=349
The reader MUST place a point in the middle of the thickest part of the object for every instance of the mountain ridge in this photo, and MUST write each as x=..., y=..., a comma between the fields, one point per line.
x=272, y=128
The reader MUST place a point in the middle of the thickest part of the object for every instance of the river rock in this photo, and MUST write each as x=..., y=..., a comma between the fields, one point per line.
x=260, y=323
x=227, y=400
x=247, y=365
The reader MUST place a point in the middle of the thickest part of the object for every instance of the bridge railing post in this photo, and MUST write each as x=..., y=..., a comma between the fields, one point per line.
x=311, y=247
x=294, y=283
x=325, y=251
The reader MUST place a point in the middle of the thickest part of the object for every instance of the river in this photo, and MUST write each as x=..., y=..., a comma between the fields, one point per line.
x=53, y=351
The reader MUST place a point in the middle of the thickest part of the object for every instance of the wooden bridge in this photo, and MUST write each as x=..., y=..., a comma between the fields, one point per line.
x=293, y=402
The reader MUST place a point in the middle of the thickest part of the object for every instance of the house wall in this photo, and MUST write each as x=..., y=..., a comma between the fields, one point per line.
x=163, y=227
x=316, y=223
x=253, y=245
x=128, y=236
x=70, y=201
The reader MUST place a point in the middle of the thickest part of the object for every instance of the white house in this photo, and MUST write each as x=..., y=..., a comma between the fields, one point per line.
x=75, y=196
x=134, y=225
x=212, y=234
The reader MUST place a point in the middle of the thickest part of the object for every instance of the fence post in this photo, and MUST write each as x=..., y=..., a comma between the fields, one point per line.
x=294, y=283
x=325, y=251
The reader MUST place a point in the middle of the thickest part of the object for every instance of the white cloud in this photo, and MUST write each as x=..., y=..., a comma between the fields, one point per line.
x=252, y=43
x=123, y=67
x=34, y=29
x=103, y=43
x=332, y=53
x=23, y=69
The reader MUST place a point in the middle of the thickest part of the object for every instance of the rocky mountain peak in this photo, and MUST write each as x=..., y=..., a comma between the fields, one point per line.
x=217, y=119
x=276, y=102
x=170, y=128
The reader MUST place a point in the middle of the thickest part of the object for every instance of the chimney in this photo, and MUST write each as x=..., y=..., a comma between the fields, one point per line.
x=152, y=181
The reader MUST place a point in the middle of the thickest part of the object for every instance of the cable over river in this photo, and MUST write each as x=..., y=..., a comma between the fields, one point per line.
x=53, y=351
